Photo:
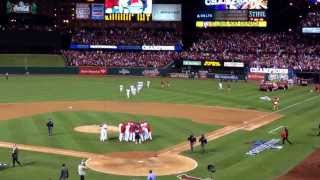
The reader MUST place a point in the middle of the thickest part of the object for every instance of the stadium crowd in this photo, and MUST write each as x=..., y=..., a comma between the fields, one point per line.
x=311, y=20
x=259, y=49
x=125, y=35
x=119, y=59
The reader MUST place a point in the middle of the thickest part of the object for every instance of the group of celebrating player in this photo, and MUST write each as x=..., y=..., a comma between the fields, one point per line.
x=134, y=90
x=136, y=132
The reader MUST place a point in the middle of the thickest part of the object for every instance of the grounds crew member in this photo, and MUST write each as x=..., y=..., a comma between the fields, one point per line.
x=203, y=141
x=192, y=140
x=50, y=127
x=284, y=135
x=15, y=155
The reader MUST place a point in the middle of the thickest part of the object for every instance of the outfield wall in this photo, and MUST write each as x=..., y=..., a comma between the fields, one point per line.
x=151, y=72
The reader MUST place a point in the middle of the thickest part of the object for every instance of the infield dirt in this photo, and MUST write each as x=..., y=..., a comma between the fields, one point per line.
x=164, y=162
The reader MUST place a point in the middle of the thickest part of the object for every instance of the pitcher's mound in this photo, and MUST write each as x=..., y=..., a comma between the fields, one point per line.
x=95, y=129
x=139, y=164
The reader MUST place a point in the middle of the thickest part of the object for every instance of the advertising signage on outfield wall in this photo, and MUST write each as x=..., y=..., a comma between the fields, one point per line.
x=89, y=70
x=192, y=63
x=256, y=76
x=269, y=70
x=212, y=63
x=233, y=64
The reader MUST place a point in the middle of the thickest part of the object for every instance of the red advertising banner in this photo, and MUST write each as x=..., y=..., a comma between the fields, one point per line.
x=256, y=76
x=91, y=70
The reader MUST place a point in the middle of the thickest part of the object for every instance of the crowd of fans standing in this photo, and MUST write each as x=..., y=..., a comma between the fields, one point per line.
x=258, y=49
x=120, y=59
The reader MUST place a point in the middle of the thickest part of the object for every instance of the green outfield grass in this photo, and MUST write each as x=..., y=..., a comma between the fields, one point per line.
x=31, y=60
x=53, y=88
x=227, y=153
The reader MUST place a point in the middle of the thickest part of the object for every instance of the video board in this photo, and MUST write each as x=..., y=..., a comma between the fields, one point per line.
x=97, y=11
x=128, y=10
x=82, y=11
x=312, y=2
x=166, y=12
x=232, y=13
x=18, y=6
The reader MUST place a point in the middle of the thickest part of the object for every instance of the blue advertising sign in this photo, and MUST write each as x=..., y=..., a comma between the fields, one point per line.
x=97, y=11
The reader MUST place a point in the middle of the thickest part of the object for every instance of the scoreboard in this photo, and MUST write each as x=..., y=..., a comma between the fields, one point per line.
x=116, y=10
x=241, y=13
x=128, y=10
x=128, y=17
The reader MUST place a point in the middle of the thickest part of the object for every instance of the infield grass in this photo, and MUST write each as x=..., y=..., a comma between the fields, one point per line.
x=32, y=130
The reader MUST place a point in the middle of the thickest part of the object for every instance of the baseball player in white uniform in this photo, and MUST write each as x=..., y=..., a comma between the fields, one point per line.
x=131, y=134
x=144, y=130
x=121, y=88
x=220, y=85
x=139, y=86
x=103, y=132
x=126, y=133
x=148, y=84
x=128, y=93
x=134, y=91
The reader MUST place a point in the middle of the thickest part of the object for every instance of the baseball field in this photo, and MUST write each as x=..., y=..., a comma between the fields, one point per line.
x=231, y=119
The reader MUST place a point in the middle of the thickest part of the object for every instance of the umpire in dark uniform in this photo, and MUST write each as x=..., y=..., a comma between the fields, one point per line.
x=64, y=173
x=203, y=141
x=15, y=155
x=50, y=127
x=192, y=140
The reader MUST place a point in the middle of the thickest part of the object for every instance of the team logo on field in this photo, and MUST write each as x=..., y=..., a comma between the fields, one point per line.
x=260, y=146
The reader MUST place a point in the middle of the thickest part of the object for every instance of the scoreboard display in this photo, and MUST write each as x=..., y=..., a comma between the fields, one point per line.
x=128, y=17
x=128, y=10
x=232, y=13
